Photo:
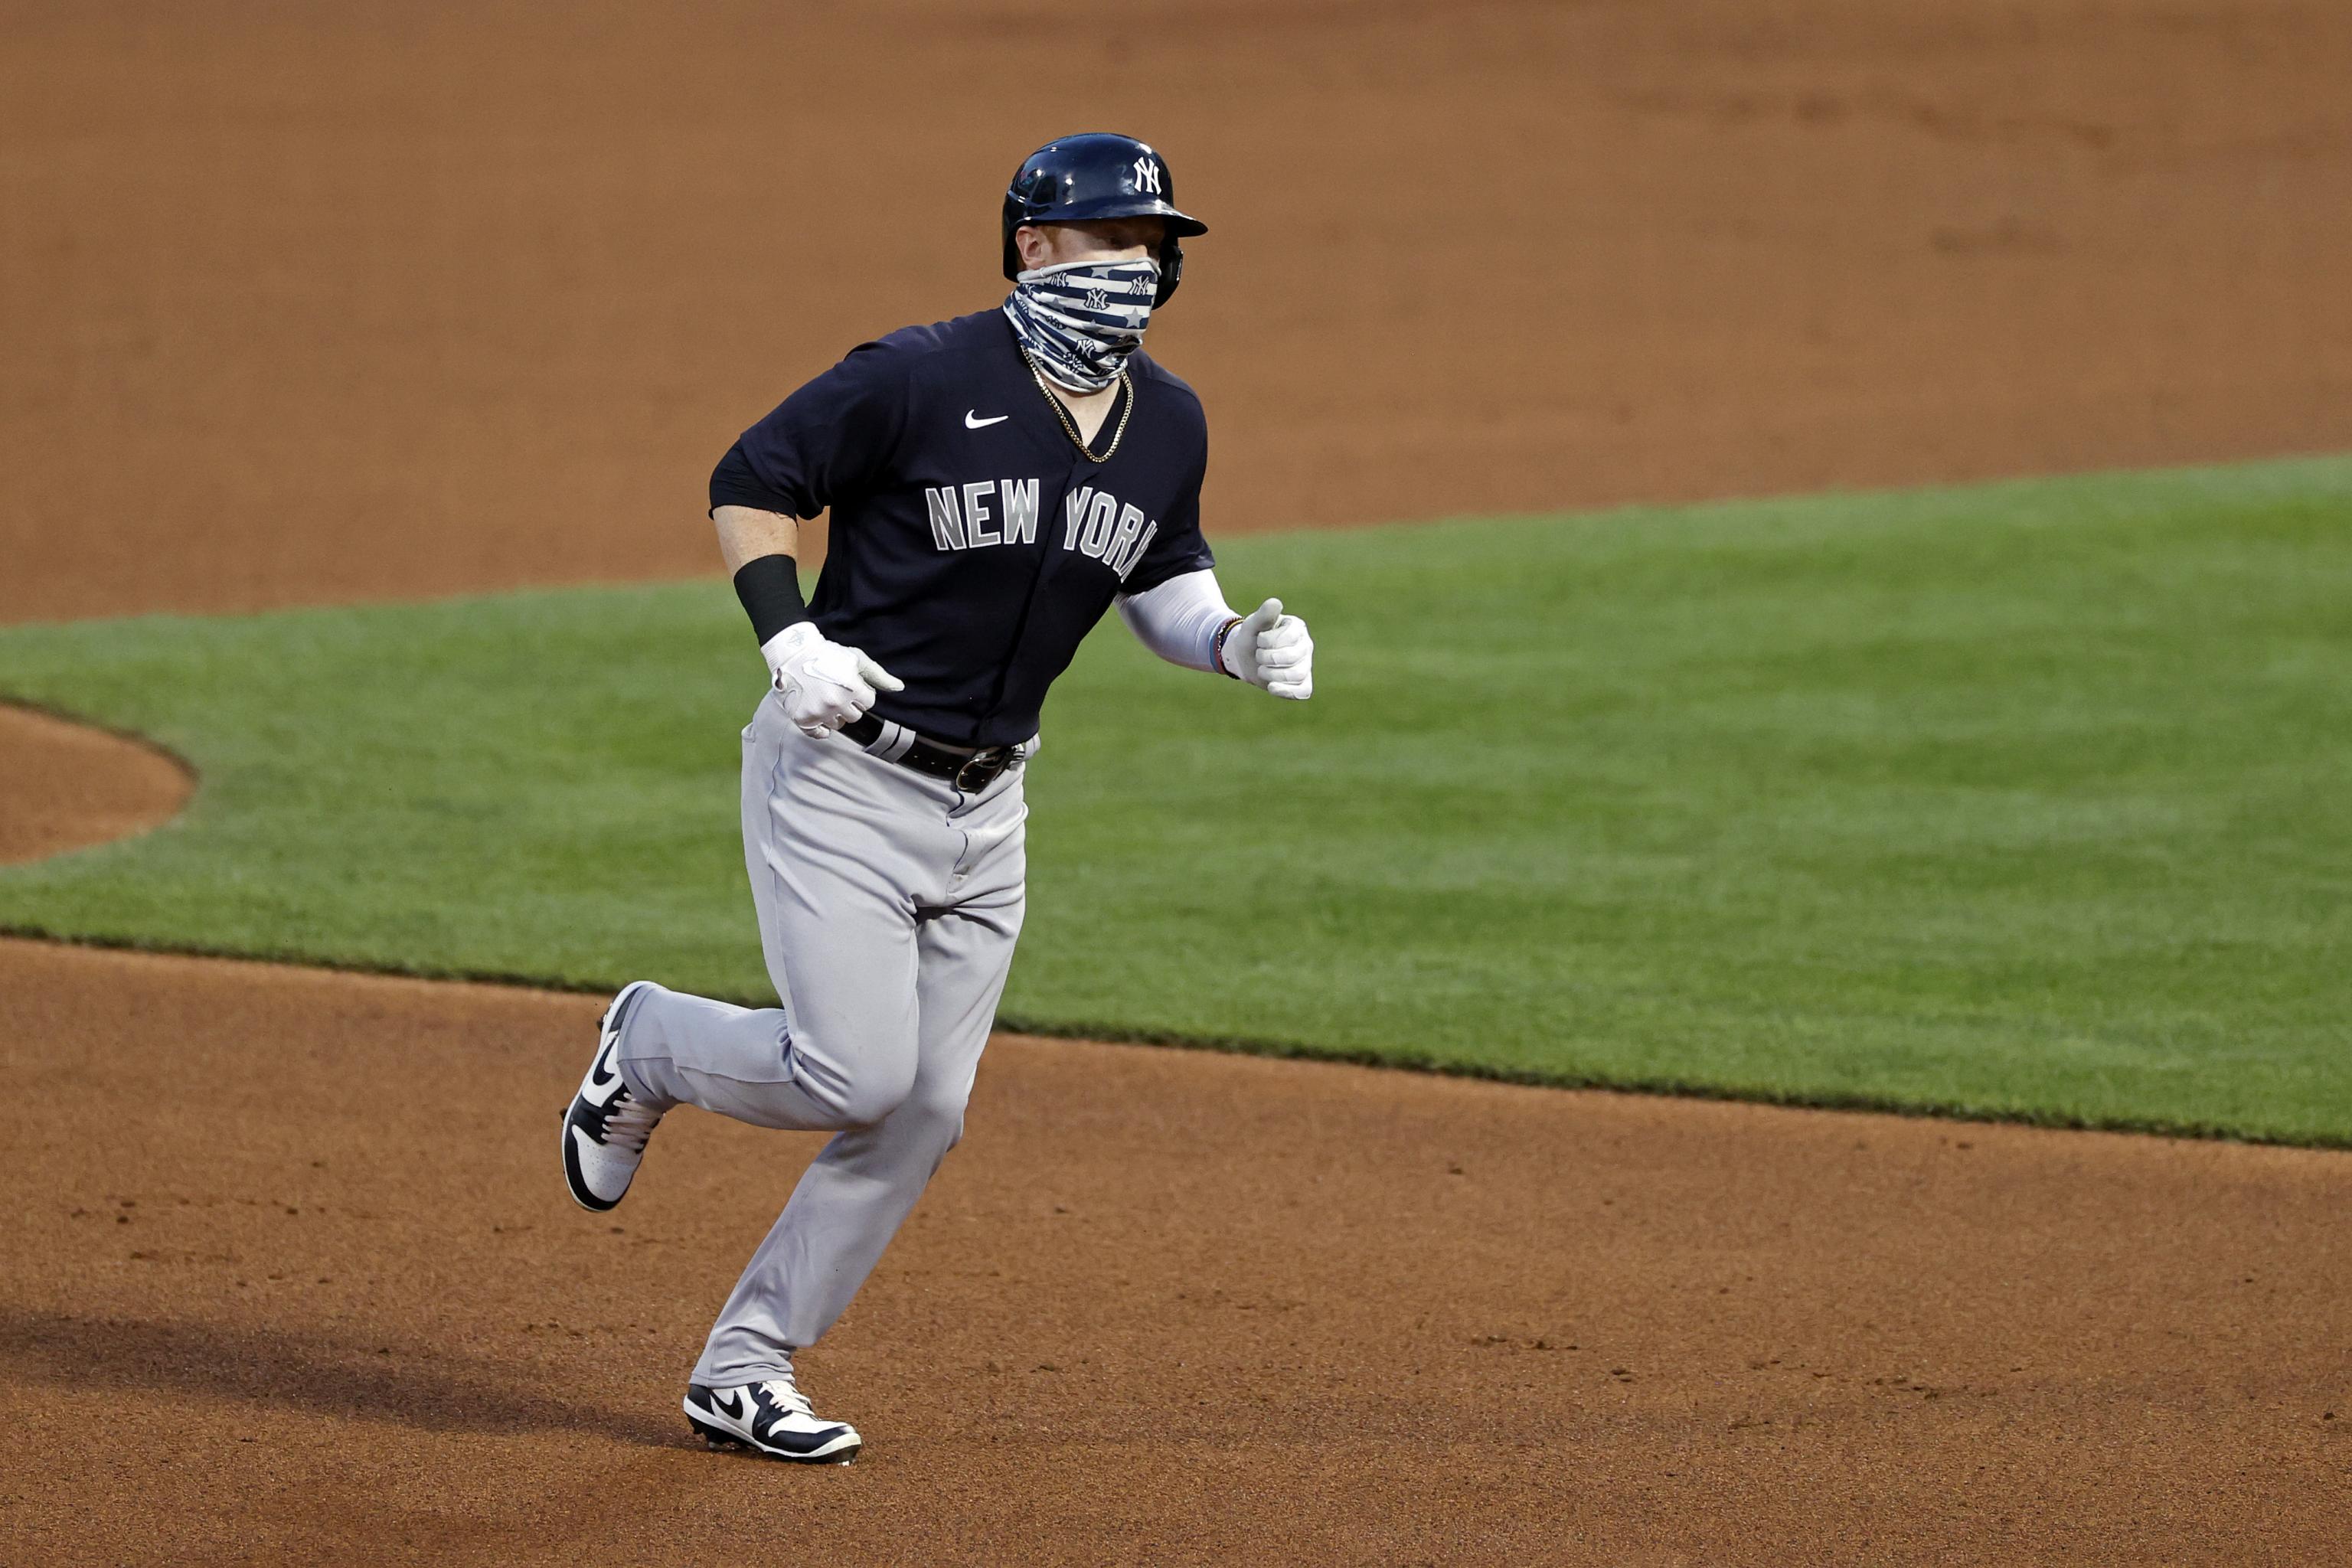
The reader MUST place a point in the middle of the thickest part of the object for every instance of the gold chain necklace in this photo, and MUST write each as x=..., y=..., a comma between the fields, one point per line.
x=1069, y=425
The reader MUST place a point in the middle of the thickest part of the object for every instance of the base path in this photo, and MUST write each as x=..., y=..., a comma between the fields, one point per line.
x=293, y=1277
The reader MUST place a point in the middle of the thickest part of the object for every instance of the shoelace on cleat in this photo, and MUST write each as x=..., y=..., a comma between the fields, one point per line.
x=628, y=1122
x=785, y=1393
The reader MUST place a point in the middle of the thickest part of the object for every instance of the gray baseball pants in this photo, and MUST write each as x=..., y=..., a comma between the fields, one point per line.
x=888, y=902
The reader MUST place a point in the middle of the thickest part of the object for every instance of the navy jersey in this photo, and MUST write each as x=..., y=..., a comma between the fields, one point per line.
x=972, y=546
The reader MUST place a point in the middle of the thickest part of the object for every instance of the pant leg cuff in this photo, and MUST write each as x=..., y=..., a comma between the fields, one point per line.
x=640, y=1087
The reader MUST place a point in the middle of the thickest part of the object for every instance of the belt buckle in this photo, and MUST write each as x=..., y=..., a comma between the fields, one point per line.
x=989, y=761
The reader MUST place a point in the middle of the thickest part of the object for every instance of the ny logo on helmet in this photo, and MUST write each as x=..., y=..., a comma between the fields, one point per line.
x=1147, y=176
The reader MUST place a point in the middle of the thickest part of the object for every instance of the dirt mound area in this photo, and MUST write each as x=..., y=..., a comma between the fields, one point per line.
x=65, y=785
x=310, y=303
x=296, y=1280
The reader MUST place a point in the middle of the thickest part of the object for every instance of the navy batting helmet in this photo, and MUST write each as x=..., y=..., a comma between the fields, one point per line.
x=1099, y=175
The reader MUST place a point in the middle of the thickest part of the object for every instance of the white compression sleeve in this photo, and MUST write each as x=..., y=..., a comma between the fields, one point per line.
x=1179, y=619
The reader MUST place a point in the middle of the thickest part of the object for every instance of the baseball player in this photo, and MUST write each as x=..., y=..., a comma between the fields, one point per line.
x=996, y=482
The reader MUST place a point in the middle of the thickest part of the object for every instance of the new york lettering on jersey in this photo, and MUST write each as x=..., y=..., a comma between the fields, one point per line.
x=1095, y=523
x=953, y=487
x=965, y=517
x=973, y=523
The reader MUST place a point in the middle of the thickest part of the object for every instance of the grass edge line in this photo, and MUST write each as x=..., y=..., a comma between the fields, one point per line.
x=1957, y=1112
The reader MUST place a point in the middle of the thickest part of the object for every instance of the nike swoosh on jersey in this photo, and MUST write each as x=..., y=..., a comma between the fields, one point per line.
x=972, y=422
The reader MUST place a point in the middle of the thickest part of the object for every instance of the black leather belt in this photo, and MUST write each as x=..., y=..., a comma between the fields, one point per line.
x=967, y=770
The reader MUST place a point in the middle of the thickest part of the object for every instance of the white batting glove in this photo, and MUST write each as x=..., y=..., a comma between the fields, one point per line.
x=825, y=685
x=1273, y=650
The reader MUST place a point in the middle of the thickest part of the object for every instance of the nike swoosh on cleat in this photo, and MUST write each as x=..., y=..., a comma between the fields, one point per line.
x=971, y=421
x=603, y=1074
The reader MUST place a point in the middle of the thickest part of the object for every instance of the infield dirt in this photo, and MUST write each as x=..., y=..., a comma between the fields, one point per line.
x=307, y=310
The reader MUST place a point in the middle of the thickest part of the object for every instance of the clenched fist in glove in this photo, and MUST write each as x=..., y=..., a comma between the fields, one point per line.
x=824, y=684
x=1268, y=649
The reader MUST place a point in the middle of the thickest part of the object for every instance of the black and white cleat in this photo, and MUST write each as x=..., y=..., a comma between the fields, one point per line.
x=772, y=1419
x=605, y=1127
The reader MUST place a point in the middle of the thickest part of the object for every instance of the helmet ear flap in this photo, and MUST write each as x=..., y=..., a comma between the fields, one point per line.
x=1030, y=194
x=1171, y=270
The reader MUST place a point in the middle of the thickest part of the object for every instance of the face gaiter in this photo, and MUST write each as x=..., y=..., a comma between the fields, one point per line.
x=1081, y=320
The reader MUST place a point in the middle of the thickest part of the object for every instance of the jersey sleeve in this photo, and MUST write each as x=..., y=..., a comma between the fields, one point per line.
x=1176, y=546
x=831, y=438
x=732, y=483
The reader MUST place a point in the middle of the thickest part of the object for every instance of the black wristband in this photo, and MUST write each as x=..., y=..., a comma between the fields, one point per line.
x=770, y=587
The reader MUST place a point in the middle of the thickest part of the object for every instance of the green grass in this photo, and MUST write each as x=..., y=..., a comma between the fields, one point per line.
x=2027, y=800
